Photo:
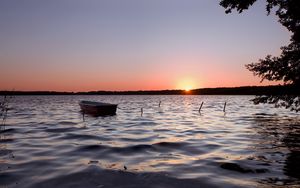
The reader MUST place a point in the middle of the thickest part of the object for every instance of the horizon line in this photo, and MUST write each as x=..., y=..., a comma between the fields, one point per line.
x=140, y=90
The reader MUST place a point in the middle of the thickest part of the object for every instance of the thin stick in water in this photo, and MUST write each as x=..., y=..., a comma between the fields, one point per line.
x=224, y=107
x=159, y=103
x=142, y=111
x=200, y=106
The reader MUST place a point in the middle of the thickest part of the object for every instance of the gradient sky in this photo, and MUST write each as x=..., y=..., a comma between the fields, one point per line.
x=83, y=45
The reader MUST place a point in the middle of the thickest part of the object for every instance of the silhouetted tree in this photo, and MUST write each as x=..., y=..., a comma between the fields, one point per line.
x=286, y=67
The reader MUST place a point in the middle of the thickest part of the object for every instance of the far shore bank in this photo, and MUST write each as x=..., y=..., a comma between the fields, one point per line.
x=243, y=90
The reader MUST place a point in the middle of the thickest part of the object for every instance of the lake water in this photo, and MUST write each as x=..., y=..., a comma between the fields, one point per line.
x=45, y=142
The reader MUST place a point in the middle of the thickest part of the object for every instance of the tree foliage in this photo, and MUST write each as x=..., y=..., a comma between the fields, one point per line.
x=286, y=67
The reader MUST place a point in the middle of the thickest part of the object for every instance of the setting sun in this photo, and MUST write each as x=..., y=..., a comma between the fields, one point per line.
x=187, y=84
x=187, y=89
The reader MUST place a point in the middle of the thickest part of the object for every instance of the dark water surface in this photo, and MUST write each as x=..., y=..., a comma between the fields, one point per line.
x=46, y=143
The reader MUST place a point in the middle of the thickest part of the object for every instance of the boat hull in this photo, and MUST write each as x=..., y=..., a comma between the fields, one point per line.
x=98, y=109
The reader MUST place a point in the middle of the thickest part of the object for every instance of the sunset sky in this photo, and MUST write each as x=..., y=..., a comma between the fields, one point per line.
x=83, y=45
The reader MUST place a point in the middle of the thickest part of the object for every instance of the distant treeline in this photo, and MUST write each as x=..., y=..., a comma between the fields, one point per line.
x=245, y=90
x=250, y=90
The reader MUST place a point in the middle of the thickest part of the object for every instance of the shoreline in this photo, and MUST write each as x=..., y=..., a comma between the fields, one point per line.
x=242, y=90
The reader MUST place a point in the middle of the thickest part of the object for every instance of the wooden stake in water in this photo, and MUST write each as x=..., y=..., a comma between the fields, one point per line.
x=159, y=103
x=142, y=111
x=200, y=106
x=224, y=107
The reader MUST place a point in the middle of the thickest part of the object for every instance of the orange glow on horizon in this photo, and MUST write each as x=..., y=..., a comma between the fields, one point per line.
x=186, y=84
x=88, y=79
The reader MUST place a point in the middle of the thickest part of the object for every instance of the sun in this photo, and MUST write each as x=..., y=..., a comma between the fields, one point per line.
x=187, y=88
x=186, y=84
